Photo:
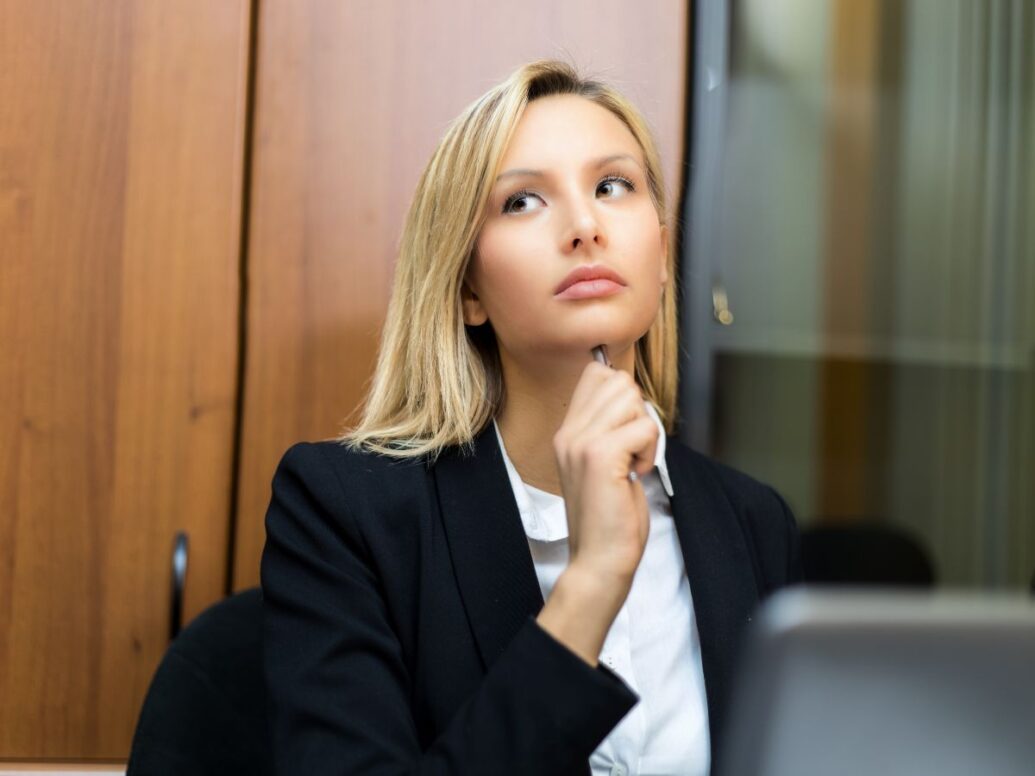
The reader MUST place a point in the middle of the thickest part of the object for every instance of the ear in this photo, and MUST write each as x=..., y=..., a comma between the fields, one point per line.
x=664, y=254
x=474, y=311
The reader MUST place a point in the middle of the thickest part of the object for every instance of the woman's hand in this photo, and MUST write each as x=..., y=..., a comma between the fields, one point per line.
x=606, y=434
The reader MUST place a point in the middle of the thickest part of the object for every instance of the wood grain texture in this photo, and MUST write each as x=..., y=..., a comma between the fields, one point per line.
x=121, y=137
x=351, y=100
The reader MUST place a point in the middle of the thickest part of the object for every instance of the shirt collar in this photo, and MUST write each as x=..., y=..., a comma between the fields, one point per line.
x=543, y=513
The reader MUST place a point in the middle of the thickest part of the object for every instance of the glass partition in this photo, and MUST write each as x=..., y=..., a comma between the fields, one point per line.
x=859, y=267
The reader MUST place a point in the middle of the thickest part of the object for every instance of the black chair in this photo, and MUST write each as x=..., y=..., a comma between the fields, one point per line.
x=864, y=553
x=205, y=711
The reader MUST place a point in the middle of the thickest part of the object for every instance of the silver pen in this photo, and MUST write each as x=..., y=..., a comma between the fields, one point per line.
x=600, y=354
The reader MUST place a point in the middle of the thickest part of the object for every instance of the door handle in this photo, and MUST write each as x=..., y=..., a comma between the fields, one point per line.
x=720, y=305
x=181, y=546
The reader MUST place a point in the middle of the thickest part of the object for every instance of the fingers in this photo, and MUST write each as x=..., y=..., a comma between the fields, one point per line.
x=605, y=402
x=615, y=398
x=592, y=377
x=639, y=440
x=621, y=408
x=616, y=452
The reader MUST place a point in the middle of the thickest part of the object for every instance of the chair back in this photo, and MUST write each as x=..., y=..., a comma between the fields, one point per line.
x=205, y=711
x=864, y=553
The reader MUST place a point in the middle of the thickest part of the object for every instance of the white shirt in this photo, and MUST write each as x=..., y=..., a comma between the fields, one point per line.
x=653, y=643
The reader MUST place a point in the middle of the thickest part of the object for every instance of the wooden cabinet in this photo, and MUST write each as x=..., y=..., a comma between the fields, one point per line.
x=122, y=128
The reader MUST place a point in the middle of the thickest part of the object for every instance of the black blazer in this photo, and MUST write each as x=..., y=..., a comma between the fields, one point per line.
x=400, y=601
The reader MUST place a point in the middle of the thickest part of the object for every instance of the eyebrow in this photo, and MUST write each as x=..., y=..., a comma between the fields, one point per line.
x=593, y=164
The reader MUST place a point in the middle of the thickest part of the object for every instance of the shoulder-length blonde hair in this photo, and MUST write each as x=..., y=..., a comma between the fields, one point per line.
x=438, y=382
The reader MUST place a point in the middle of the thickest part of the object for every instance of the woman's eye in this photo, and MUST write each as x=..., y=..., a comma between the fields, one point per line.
x=519, y=201
x=520, y=197
x=611, y=180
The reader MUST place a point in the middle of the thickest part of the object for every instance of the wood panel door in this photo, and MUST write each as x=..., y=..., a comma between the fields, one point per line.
x=351, y=99
x=122, y=129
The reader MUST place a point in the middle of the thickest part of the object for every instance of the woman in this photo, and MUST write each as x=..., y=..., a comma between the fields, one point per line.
x=509, y=566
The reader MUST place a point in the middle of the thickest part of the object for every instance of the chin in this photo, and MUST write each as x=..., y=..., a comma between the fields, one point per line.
x=613, y=333
x=616, y=341
x=562, y=336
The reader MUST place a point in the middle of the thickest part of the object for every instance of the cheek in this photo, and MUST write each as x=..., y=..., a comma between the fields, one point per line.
x=507, y=264
x=645, y=249
x=646, y=262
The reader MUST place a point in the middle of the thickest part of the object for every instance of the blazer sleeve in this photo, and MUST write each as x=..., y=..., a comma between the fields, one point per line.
x=339, y=689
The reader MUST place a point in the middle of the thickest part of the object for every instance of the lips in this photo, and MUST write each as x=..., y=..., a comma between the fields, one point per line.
x=591, y=272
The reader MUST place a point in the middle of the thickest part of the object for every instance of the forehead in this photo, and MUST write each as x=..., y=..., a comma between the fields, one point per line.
x=566, y=128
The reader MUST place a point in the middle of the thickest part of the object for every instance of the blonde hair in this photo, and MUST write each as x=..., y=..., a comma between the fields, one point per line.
x=438, y=382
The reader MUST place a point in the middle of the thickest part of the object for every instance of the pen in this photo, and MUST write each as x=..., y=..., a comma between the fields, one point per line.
x=600, y=354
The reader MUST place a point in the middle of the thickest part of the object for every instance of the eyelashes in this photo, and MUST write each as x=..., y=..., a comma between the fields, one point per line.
x=613, y=177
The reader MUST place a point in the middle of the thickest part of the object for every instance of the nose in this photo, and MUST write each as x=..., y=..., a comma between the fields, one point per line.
x=584, y=228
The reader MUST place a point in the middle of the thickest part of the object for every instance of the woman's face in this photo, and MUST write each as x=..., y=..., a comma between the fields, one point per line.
x=572, y=192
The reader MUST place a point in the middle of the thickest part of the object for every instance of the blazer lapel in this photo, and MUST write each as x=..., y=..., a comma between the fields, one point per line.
x=487, y=542
x=719, y=569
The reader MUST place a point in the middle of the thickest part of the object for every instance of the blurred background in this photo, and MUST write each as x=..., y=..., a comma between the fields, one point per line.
x=200, y=204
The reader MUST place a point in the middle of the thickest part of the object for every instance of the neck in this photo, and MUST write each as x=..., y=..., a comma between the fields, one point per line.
x=537, y=399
